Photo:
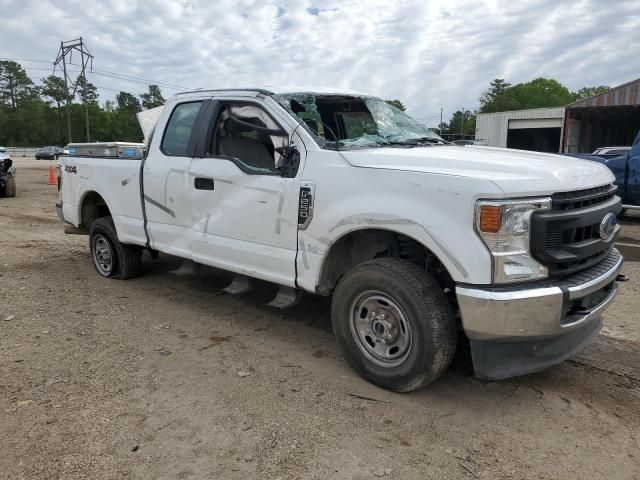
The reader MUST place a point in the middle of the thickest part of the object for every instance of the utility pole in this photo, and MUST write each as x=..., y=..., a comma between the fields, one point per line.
x=64, y=56
x=440, y=126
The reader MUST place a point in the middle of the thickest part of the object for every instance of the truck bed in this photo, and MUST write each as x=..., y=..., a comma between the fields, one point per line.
x=116, y=179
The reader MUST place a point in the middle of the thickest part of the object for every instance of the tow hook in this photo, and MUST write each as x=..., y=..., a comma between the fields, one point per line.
x=622, y=278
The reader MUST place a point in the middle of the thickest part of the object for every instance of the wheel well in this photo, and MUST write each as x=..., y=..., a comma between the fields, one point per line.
x=93, y=207
x=362, y=245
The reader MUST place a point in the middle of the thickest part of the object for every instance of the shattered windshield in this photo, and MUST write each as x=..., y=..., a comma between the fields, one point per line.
x=349, y=122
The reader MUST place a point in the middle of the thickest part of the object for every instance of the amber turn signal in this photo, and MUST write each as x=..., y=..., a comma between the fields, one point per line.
x=489, y=219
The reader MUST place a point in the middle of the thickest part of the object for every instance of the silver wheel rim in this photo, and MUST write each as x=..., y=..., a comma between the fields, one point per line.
x=380, y=328
x=102, y=254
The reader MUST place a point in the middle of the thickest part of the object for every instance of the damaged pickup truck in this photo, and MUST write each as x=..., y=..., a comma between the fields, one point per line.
x=337, y=193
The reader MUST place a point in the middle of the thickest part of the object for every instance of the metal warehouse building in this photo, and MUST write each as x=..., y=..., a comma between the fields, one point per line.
x=537, y=129
x=608, y=119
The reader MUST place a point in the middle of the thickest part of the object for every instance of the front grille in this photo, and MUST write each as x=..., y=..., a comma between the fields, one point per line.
x=577, y=199
x=566, y=239
x=558, y=235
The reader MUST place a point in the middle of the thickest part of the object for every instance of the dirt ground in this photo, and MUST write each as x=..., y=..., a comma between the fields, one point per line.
x=165, y=376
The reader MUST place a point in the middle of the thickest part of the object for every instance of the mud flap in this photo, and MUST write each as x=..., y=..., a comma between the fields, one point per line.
x=241, y=284
x=187, y=268
x=286, y=297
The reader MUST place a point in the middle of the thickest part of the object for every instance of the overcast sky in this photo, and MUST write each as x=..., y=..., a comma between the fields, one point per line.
x=428, y=54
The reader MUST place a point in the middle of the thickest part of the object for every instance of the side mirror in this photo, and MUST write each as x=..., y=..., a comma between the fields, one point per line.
x=291, y=162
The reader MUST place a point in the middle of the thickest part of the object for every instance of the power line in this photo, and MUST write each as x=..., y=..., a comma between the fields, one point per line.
x=97, y=71
x=102, y=87
x=180, y=87
x=23, y=60
x=78, y=72
x=38, y=68
x=126, y=79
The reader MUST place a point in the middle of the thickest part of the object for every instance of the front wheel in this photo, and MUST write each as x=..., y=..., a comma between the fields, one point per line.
x=110, y=257
x=393, y=323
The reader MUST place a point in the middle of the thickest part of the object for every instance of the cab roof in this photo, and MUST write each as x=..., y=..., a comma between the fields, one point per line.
x=272, y=90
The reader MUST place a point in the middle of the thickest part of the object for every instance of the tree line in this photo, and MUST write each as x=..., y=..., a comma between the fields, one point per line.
x=502, y=96
x=34, y=115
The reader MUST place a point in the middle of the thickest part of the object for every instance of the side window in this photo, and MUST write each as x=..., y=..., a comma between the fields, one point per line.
x=178, y=130
x=253, y=149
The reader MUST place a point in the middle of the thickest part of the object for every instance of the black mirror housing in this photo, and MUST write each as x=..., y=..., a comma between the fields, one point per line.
x=291, y=162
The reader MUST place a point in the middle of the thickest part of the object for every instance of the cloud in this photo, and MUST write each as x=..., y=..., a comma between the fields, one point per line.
x=427, y=54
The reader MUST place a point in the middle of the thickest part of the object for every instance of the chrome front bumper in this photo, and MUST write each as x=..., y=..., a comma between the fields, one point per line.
x=519, y=330
x=541, y=311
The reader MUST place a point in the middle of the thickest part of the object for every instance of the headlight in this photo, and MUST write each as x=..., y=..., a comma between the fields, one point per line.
x=505, y=228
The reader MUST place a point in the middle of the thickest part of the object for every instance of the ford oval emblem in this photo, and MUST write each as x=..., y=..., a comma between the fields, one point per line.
x=608, y=226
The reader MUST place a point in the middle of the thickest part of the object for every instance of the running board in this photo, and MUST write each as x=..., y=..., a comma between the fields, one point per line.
x=240, y=284
x=286, y=297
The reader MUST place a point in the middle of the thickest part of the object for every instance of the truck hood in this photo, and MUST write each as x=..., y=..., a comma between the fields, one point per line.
x=515, y=172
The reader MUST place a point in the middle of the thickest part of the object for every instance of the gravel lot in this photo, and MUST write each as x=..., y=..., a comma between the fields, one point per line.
x=165, y=376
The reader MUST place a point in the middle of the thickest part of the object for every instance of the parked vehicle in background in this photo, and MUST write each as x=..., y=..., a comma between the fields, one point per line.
x=47, y=153
x=470, y=142
x=339, y=194
x=626, y=168
x=7, y=176
x=611, y=151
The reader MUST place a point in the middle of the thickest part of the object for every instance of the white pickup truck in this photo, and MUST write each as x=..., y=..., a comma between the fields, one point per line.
x=337, y=193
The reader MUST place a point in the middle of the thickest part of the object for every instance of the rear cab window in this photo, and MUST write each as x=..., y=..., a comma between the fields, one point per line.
x=175, y=140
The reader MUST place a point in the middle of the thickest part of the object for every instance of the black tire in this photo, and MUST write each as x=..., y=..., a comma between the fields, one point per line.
x=10, y=187
x=425, y=312
x=124, y=260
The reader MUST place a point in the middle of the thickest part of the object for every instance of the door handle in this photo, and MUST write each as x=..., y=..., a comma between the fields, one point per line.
x=203, y=183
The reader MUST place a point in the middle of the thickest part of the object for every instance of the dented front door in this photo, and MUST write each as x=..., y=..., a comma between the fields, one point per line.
x=246, y=223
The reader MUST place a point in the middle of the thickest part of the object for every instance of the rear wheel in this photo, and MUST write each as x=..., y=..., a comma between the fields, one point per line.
x=110, y=257
x=394, y=324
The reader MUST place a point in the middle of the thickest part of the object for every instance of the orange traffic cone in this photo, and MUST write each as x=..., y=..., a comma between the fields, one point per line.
x=52, y=176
